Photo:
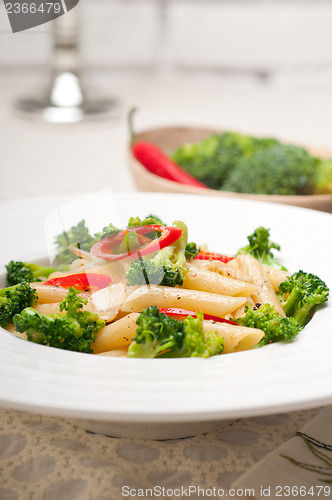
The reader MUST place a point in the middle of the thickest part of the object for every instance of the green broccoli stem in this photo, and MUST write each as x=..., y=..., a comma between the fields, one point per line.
x=302, y=312
x=40, y=271
x=19, y=272
x=292, y=301
x=3, y=291
x=179, y=247
x=165, y=347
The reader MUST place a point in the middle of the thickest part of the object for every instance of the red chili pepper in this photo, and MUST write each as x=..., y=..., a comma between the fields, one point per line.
x=104, y=249
x=156, y=162
x=213, y=256
x=183, y=313
x=84, y=282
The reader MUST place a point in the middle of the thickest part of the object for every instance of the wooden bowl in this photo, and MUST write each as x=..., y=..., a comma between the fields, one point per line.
x=170, y=138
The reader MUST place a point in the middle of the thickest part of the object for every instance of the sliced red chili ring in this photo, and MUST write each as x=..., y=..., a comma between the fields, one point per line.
x=104, y=249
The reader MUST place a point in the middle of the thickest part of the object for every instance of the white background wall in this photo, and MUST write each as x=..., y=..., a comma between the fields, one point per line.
x=282, y=42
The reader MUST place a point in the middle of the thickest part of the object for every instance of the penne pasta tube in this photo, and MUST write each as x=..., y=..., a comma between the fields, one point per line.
x=239, y=269
x=114, y=353
x=208, y=281
x=59, y=274
x=234, y=270
x=215, y=266
x=236, y=338
x=107, y=301
x=76, y=267
x=276, y=276
x=240, y=312
x=116, y=335
x=265, y=293
x=80, y=265
x=51, y=308
x=163, y=297
x=48, y=293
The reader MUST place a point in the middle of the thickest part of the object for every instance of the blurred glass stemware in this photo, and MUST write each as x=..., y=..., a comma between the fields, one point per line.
x=66, y=99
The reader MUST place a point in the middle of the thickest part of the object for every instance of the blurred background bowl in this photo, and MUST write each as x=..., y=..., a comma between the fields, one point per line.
x=168, y=139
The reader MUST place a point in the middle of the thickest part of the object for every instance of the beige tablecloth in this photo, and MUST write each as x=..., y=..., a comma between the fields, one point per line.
x=47, y=458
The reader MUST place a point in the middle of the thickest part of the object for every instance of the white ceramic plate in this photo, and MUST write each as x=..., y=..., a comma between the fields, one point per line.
x=125, y=392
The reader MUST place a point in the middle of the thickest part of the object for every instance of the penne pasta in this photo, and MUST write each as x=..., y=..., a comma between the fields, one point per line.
x=227, y=270
x=116, y=335
x=47, y=293
x=265, y=293
x=208, y=281
x=51, y=308
x=163, y=297
x=80, y=265
x=107, y=301
x=236, y=338
x=276, y=276
x=232, y=270
x=240, y=312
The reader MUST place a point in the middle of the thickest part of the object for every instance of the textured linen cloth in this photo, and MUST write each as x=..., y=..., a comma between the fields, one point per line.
x=302, y=467
x=47, y=458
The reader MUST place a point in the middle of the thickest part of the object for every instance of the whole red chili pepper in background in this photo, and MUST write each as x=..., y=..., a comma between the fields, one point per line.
x=81, y=281
x=156, y=162
x=104, y=249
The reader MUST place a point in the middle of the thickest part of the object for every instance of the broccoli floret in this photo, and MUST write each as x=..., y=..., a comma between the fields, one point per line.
x=260, y=247
x=159, y=335
x=196, y=342
x=74, y=331
x=155, y=333
x=302, y=292
x=282, y=170
x=275, y=326
x=77, y=236
x=149, y=219
x=211, y=159
x=259, y=143
x=153, y=219
x=323, y=181
x=191, y=250
x=166, y=268
x=111, y=230
x=154, y=272
x=19, y=272
x=214, y=158
x=13, y=300
x=107, y=231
